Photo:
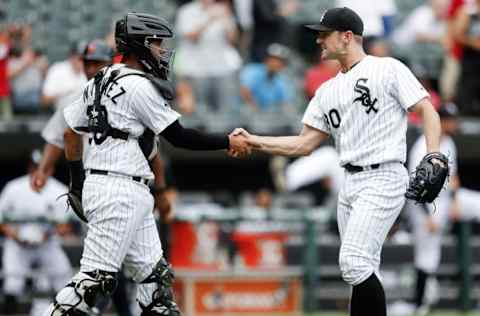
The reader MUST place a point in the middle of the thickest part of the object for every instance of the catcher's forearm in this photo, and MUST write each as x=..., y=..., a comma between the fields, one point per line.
x=73, y=145
x=158, y=170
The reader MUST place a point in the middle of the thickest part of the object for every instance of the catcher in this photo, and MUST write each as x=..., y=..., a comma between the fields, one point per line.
x=96, y=55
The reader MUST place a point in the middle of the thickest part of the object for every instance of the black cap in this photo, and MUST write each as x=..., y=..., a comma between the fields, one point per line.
x=338, y=19
x=448, y=110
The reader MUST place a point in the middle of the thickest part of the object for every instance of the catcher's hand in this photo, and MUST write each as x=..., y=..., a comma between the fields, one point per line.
x=429, y=178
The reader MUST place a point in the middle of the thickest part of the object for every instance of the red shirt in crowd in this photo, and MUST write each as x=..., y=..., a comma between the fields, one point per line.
x=4, y=48
x=456, y=50
x=317, y=75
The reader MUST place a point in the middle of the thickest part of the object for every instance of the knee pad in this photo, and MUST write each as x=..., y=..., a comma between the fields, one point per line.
x=355, y=268
x=162, y=301
x=80, y=295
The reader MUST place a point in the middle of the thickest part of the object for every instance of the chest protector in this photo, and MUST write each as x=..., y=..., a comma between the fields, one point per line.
x=97, y=113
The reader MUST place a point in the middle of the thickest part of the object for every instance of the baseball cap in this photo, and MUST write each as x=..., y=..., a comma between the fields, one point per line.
x=279, y=51
x=97, y=50
x=338, y=19
x=76, y=48
x=448, y=110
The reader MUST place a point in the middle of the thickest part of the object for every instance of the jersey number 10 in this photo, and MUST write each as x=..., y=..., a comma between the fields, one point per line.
x=333, y=119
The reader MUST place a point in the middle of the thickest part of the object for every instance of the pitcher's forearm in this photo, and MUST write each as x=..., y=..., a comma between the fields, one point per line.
x=283, y=146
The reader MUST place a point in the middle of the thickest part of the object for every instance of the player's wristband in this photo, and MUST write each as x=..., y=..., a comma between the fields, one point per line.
x=77, y=174
x=155, y=189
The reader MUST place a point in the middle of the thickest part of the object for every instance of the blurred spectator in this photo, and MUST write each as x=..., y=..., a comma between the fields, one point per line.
x=30, y=222
x=425, y=24
x=467, y=32
x=454, y=53
x=270, y=25
x=263, y=199
x=26, y=71
x=244, y=14
x=206, y=57
x=263, y=86
x=377, y=15
x=420, y=39
x=64, y=80
x=5, y=107
x=378, y=47
x=318, y=74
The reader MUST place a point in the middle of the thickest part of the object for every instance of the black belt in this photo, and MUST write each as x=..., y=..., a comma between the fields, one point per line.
x=354, y=169
x=106, y=173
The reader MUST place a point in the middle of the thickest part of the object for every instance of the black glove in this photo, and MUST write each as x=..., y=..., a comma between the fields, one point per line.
x=429, y=178
x=148, y=144
x=77, y=178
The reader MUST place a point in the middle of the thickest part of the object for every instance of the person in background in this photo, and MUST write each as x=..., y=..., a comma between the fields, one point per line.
x=5, y=106
x=454, y=52
x=263, y=87
x=64, y=80
x=26, y=71
x=207, y=60
x=467, y=32
x=31, y=221
x=269, y=25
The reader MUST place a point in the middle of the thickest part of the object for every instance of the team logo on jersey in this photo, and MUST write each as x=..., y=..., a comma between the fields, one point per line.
x=364, y=96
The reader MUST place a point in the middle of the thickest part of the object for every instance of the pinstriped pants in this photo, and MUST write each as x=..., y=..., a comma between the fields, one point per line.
x=121, y=229
x=368, y=205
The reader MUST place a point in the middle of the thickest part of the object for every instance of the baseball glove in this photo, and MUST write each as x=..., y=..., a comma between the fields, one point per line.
x=77, y=177
x=429, y=178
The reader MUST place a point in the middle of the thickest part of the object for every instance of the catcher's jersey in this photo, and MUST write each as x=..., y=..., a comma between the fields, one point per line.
x=419, y=150
x=365, y=110
x=19, y=203
x=132, y=104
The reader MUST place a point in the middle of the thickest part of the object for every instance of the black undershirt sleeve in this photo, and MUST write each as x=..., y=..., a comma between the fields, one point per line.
x=192, y=139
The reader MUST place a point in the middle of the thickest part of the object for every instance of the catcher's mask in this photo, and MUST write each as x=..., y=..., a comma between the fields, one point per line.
x=147, y=37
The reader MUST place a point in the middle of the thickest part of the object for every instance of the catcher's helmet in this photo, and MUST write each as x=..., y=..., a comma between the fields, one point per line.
x=97, y=50
x=134, y=34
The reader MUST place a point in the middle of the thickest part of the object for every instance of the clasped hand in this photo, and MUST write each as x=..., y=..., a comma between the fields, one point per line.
x=241, y=143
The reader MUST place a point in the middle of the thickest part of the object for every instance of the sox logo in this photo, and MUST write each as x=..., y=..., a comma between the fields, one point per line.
x=365, y=98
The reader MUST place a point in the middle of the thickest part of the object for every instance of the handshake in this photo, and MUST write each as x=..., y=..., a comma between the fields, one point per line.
x=242, y=143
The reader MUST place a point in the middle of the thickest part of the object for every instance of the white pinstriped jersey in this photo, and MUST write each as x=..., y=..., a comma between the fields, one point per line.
x=132, y=104
x=365, y=110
